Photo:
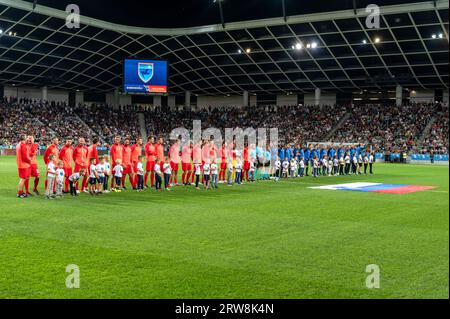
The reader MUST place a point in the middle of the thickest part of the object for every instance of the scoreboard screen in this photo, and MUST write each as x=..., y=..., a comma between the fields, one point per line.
x=145, y=76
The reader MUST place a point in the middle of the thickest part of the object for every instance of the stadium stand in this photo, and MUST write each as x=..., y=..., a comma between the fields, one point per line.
x=301, y=75
x=386, y=128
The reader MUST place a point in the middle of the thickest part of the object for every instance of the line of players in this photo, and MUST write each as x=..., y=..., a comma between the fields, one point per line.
x=80, y=167
x=348, y=163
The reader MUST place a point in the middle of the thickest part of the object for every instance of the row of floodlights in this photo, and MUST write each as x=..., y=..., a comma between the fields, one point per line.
x=299, y=46
x=10, y=33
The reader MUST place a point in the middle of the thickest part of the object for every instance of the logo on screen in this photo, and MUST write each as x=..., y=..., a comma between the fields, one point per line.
x=145, y=71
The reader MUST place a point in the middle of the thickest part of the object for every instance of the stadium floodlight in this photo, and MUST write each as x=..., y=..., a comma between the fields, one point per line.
x=364, y=41
x=433, y=36
x=441, y=35
x=314, y=45
x=377, y=40
x=239, y=51
x=1, y=31
x=298, y=46
x=248, y=50
x=10, y=33
x=308, y=46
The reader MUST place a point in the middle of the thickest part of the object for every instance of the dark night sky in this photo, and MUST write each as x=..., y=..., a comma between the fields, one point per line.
x=173, y=13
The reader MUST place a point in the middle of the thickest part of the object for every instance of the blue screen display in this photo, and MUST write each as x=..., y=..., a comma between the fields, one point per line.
x=145, y=76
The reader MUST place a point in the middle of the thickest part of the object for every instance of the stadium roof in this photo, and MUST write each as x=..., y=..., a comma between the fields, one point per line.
x=261, y=56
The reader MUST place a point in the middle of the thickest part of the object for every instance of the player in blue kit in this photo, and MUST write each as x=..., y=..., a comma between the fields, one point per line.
x=307, y=157
x=282, y=153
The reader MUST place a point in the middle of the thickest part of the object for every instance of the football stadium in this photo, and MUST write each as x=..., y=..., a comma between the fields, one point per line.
x=223, y=149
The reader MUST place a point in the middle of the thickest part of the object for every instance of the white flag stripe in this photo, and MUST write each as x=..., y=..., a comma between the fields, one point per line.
x=346, y=186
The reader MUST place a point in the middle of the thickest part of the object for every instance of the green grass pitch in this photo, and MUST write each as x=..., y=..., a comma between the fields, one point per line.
x=266, y=240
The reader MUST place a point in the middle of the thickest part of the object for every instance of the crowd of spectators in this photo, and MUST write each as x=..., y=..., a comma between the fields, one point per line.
x=108, y=123
x=296, y=124
x=437, y=138
x=386, y=128
x=389, y=128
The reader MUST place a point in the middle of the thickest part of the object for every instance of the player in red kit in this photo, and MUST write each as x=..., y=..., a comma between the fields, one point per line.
x=223, y=162
x=33, y=149
x=66, y=155
x=213, y=151
x=246, y=163
x=136, y=152
x=93, y=150
x=174, y=155
x=92, y=153
x=52, y=149
x=23, y=165
x=80, y=156
x=159, y=149
x=116, y=154
x=186, y=165
x=196, y=156
x=126, y=163
x=150, y=153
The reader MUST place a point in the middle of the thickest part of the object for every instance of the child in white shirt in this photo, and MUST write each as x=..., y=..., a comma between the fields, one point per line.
x=73, y=180
x=167, y=169
x=107, y=173
x=118, y=173
x=335, y=165
x=285, y=168
x=238, y=170
x=93, y=177
x=51, y=173
x=302, y=167
x=230, y=170
x=277, y=165
x=60, y=177
x=207, y=175
x=214, y=175
x=158, y=175
x=324, y=163
x=101, y=174
x=316, y=167
x=347, y=164
x=330, y=166
x=198, y=174
x=293, y=168
x=140, y=174
x=251, y=172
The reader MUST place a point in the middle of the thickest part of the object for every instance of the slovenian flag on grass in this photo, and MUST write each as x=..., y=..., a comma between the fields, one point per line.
x=376, y=188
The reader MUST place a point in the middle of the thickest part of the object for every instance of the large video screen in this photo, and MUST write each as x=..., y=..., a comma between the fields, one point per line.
x=145, y=76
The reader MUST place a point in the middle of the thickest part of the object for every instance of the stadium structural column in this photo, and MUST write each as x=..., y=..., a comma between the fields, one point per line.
x=245, y=98
x=317, y=96
x=157, y=100
x=187, y=99
x=171, y=102
x=116, y=105
x=44, y=93
x=399, y=95
x=79, y=98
